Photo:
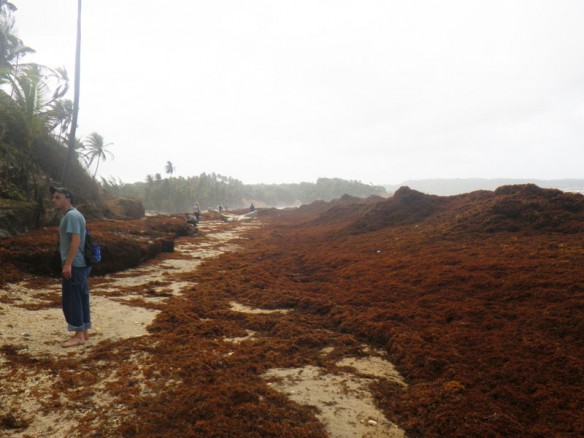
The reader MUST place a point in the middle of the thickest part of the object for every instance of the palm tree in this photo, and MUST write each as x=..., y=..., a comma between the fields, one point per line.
x=79, y=149
x=60, y=116
x=30, y=95
x=169, y=168
x=30, y=107
x=31, y=88
x=11, y=47
x=71, y=146
x=96, y=148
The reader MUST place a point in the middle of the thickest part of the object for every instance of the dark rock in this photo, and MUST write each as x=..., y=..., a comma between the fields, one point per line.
x=125, y=208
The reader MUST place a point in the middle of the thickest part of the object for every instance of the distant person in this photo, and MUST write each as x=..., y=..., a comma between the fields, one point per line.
x=252, y=207
x=220, y=208
x=75, y=272
x=197, y=211
x=192, y=219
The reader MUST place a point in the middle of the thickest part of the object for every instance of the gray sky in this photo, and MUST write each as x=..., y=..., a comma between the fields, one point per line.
x=287, y=91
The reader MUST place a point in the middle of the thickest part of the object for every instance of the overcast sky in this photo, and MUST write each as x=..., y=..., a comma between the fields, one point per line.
x=287, y=91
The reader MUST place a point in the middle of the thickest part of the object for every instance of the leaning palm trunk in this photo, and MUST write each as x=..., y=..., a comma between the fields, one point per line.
x=72, y=134
x=96, y=167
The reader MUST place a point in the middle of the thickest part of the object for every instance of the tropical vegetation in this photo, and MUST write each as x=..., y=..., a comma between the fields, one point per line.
x=176, y=194
x=38, y=137
x=36, y=126
x=96, y=148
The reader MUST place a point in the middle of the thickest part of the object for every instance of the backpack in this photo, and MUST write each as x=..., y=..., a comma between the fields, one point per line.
x=91, y=251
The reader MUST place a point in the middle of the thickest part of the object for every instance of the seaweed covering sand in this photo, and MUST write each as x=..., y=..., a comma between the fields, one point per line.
x=477, y=299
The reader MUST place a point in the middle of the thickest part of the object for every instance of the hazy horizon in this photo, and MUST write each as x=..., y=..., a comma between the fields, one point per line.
x=282, y=92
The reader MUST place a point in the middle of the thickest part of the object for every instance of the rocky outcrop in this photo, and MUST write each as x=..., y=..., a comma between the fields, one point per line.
x=125, y=208
x=16, y=217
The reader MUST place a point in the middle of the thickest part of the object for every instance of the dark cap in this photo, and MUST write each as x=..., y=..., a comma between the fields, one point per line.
x=65, y=191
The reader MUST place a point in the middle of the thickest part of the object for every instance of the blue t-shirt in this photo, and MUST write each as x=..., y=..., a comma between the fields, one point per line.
x=72, y=222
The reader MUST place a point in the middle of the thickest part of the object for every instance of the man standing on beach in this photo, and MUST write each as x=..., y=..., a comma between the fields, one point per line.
x=75, y=288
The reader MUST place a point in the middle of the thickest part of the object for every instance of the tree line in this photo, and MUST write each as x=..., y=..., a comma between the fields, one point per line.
x=178, y=194
x=36, y=136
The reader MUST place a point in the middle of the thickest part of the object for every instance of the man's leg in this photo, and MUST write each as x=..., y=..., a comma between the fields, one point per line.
x=73, y=291
x=85, y=302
